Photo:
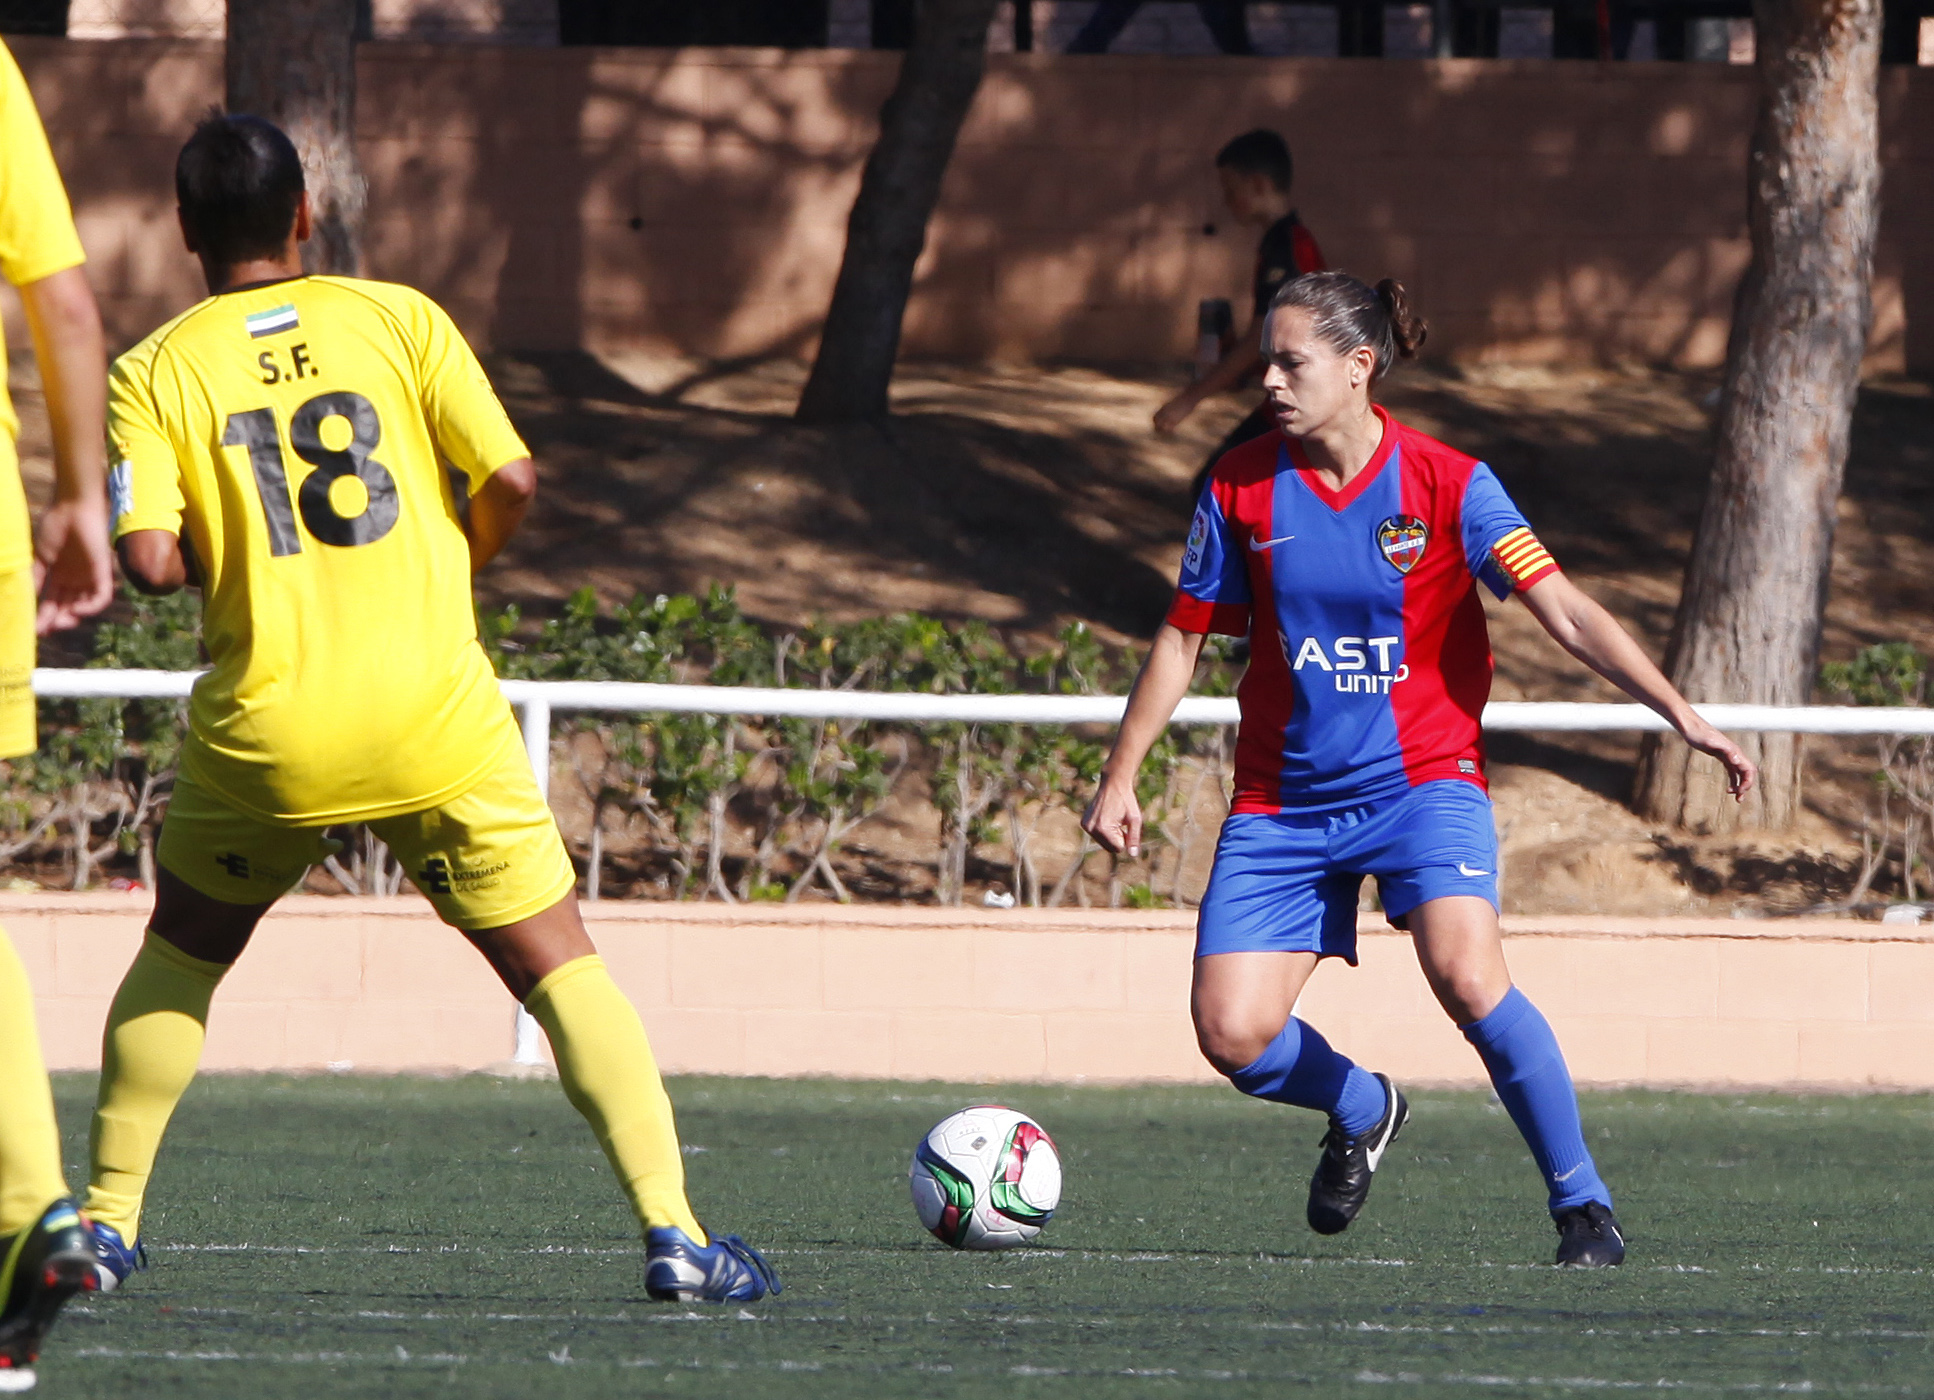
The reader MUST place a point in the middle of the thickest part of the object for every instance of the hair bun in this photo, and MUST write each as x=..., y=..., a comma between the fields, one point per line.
x=1347, y=313
x=1407, y=328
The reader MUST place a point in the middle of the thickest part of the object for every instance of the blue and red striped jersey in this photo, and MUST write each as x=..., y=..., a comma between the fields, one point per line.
x=1369, y=659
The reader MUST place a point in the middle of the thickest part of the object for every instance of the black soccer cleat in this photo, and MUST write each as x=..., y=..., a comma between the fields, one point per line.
x=40, y=1269
x=1342, y=1181
x=1588, y=1237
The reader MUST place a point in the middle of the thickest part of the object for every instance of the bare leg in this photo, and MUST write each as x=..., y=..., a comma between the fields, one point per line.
x=1242, y=1001
x=526, y=952
x=1243, y=1004
x=1461, y=950
x=206, y=929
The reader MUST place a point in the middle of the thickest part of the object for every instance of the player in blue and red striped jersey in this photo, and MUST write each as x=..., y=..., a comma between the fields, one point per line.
x=1348, y=548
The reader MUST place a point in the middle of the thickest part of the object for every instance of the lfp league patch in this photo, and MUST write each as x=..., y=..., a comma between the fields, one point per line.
x=1198, y=536
x=1402, y=539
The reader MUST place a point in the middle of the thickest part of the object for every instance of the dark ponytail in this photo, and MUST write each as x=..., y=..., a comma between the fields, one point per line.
x=1347, y=313
x=1407, y=328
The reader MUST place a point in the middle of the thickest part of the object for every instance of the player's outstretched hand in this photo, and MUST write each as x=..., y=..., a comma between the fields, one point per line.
x=73, y=564
x=1114, y=818
x=1740, y=772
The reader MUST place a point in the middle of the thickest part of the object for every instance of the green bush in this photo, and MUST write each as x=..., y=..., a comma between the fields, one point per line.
x=1898, y=828
x=96, y=788
x=728, y=807
x=789, y=793
x=1888, y=673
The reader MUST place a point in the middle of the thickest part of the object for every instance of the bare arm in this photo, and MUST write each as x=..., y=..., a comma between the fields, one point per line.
x=498, y=509
x=154, y=561
x=73, y=567
x=1114, y=817
x=1244, y=359
x=1594, y=636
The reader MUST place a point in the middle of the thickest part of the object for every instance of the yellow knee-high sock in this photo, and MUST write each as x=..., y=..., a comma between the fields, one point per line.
x=30, y=1174
x=610, y=1077
x=148, y=1058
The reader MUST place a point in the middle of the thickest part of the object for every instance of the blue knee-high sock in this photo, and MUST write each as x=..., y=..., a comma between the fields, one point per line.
x=1300, y=1068
x=1528, y=1070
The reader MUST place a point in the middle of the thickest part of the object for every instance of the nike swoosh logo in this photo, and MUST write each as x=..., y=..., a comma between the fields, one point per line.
x=1471, y=873
x=1570, y=1174
x=1260, y=545
x=1399, y=1115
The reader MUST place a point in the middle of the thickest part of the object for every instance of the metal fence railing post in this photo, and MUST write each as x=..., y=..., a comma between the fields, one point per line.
x=534, y=717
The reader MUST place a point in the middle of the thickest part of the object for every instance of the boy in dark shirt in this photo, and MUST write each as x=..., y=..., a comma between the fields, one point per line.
x=1256, y=173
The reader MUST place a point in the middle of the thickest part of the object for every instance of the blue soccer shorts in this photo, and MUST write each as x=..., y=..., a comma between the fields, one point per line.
x=1288, y=882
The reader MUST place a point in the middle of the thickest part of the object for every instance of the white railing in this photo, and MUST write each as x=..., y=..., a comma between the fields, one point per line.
x=535, y=702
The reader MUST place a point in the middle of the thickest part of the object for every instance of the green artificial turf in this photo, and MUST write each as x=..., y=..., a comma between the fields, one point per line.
x=340, y=1236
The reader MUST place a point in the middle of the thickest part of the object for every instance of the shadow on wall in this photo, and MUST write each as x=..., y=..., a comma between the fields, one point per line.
x=582, y=197
x=116, y=113
x=1532, y=214
x=1536, y=214
x=694, y=201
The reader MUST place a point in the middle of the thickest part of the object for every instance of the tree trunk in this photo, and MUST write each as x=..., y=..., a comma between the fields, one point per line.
x=888, y=225
x=1748, y=627
x=294, y=62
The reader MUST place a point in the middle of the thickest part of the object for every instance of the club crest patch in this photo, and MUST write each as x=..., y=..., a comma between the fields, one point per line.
x=1402, y=539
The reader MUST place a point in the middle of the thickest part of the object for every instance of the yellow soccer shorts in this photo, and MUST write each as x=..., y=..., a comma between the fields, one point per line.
x=19, y=725
x=485, y=859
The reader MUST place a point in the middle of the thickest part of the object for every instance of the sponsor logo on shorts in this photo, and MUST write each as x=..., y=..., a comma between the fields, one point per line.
x=448, y=876
x=240, y=867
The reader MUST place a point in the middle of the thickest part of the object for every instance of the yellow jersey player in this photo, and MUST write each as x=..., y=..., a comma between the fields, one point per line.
x=282, y=446
x=45, y=1255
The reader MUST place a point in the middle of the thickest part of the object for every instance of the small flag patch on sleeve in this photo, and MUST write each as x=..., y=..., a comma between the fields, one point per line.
x=1522, y=559
x=120, y=489
x=274, y=321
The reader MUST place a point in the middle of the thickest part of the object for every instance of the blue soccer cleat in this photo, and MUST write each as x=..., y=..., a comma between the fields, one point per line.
x=40, y=1269
x=115, y=1258
x=728, y=1270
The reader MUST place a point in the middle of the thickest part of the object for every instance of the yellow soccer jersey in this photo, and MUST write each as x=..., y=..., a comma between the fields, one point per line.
x=291, y=433
x=37, y=239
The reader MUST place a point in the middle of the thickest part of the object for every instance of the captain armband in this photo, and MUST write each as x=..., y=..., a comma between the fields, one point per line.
x=1521, y=559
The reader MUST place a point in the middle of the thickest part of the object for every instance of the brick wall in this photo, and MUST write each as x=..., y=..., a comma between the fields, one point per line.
x=1066, y=995
x=695, y=200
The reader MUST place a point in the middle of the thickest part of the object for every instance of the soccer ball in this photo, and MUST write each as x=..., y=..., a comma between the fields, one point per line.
x=985, y=1178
